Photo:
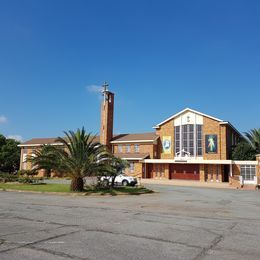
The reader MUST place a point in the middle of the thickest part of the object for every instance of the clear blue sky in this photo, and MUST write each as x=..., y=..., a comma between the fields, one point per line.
x=158, y=57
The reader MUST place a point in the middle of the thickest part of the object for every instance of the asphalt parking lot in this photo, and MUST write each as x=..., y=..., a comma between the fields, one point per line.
x=176, y=223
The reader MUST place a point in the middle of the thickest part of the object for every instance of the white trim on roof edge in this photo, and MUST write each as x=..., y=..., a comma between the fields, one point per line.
x=228, y=123
x=185, y=110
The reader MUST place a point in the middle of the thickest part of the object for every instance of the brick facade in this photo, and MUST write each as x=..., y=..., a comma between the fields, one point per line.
x=164, y=164
x=144, y=148
x=166, y=129
x=107, y=119
x=210, y=127
x=258, y=168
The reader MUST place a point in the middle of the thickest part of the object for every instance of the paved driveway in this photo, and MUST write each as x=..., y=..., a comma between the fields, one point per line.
x=177, y=223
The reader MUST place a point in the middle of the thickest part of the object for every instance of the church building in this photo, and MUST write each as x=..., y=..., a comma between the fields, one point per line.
x=189, y=145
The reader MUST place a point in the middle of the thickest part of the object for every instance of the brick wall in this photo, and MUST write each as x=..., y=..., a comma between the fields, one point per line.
x=166, y=129
x=147, y=148
x=29, y=152
x=202, y=173
x=258, y=168
x=138, y=168
x=107, y=119
x=21, y=158
x=160, y=171
x=143, y=148
x=234, y=181
x=235, y=170
x=211, y=126
x=42, y=172
x=212, y=172
x=230, y=134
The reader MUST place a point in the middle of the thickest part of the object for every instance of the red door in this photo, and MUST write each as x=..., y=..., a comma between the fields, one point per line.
x=149, y=171
x=185, y=171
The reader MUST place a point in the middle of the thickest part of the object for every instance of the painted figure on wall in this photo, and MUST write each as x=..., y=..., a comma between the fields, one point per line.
x=167, y=144
x=211, y=143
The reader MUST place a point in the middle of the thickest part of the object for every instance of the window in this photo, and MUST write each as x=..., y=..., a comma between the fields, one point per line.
x=248, y=172
x=128, y=148
x=199, y=140
x=136, y=148
x=120, y=148
x=188, y=140
x=132, y=167
x=177, y=139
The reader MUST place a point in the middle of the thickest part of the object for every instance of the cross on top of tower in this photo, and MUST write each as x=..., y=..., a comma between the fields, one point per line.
x=105, y=86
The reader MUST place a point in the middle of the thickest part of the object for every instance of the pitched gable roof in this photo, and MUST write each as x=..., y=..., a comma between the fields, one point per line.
x=131, y=138
x=187, y=110
x=199, y=113
x=122, y=138
x=45, y=141
x=39, y=141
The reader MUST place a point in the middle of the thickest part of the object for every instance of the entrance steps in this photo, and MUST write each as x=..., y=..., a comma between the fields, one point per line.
x=248, y=187
x=188, y=183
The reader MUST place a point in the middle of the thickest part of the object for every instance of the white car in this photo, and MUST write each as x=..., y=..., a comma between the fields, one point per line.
x=121, y=179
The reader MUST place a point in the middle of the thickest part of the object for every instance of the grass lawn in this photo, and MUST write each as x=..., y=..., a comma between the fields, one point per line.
x=53, y=187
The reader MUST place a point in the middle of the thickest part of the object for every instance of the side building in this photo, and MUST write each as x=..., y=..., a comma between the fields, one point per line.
x=189, y=145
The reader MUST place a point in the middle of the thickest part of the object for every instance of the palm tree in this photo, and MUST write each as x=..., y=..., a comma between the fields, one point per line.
x=253, y=137
x=79, y=156
x=44, y=159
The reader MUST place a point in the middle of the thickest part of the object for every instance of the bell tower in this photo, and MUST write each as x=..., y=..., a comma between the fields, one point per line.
x=107, y=116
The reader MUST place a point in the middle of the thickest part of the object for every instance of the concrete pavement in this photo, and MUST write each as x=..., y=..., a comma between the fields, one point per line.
x=175, y=223
x=187, y=183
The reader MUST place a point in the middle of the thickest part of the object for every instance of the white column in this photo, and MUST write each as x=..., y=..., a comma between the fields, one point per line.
x=230, y=170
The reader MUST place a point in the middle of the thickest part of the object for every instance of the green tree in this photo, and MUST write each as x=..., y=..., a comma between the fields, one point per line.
x=243, y=152
x=9, y=155
x=253, y=138
x=2, y=140
x=79, y=156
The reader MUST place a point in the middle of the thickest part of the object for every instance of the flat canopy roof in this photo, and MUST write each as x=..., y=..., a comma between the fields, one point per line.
x=132, y=156
x=200, y=161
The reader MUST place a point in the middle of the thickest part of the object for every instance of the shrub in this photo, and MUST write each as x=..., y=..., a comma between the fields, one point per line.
x=27, y=173
x=22, y=178
x=7, y=177
x=28, y=176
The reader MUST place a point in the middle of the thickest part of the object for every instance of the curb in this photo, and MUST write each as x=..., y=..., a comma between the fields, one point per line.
x=75, y=194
